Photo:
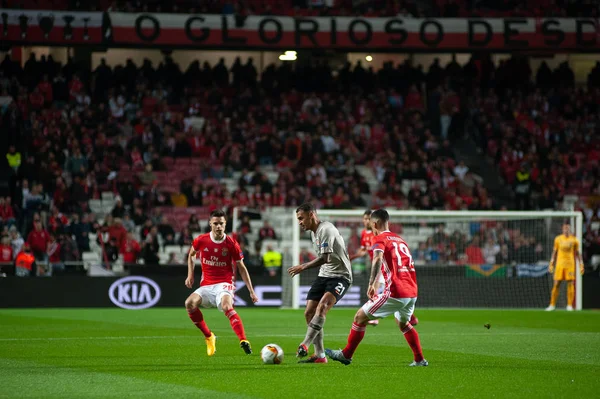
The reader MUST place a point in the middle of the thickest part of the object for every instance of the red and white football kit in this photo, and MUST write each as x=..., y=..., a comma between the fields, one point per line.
x=366, y=242
x=400, y=280
x=218, y=261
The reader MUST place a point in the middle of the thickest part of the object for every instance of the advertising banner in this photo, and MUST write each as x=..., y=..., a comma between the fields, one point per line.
x=485, y=270
x=439, y=286
x=134, y=292
x=280, y=32
x=360, y=34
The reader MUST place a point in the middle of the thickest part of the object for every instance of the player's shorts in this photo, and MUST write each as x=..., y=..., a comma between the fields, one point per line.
x=382, y=306
x=564, y=273
x=336, y=285
x=213, y=294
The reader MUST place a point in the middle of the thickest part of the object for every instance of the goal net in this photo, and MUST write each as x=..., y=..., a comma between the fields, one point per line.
x=464, y=259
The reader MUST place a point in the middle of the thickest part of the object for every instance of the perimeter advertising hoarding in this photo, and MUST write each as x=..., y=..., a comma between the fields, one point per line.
x=438, y=287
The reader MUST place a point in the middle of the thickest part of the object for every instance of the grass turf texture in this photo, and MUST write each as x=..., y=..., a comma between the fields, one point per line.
x=62, y=353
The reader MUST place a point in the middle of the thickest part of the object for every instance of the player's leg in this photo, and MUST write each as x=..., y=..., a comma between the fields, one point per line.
x=192, y=305
x=316, y=323
x=413, y=321
x=225, y=304
x=380, y=289
x=314, y=296
x=555, y=291
x=309, y=313
x=334, y=288
x=570, y=294
x=410, y=334
x=376, y=308
x=357, y=333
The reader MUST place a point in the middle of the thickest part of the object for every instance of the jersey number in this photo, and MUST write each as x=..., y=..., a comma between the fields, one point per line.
x=404, y=249
x=339, y=289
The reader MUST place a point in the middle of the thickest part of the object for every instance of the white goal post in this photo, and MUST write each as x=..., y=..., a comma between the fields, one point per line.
x=523, y=283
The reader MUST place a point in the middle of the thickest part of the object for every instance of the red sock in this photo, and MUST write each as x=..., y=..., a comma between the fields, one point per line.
x=198, y=320
x=413, y=320
x=236, y=324
x=357, y=332
x=413, y=341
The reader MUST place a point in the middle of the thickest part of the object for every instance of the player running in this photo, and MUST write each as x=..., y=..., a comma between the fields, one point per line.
x=219, y=254
x=566, y=252
x=392, y=259
x=366, y=246
x=335, y=276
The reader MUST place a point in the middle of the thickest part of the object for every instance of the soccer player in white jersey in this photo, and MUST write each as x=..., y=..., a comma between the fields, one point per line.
x=392, y=258
x=335, y=277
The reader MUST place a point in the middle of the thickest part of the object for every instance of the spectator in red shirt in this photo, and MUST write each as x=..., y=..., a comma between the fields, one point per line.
x=54, y=252
x=130, y=249
x=474, y=253
x=57, y=222
x=7, y=213
x=118, y=232
x=6, y=252
x=414, y=99
x=45, y=88
x=75, y=87
x=61, y=193
x=38, y=240
x=148, y=104
x=36, y=99
x=267, y=232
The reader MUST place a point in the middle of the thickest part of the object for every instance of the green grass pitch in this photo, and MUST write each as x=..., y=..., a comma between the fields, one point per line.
x=158, y=353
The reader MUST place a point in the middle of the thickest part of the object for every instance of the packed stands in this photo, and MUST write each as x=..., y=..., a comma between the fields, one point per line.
x=308, y=8
x=171, y=143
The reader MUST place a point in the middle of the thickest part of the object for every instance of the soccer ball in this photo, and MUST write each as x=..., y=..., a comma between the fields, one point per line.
x=271, y=354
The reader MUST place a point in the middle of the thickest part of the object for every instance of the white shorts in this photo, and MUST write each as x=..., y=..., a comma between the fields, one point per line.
x=383, y=306
x=381, y=282
x=213, y=294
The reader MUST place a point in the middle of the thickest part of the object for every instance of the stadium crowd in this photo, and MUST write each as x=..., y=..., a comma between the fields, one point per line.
x=163, y=138
x=364, y=8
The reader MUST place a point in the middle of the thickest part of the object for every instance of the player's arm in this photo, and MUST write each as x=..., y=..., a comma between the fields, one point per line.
x=552, y=260
x=189, y=281
x=580, y=259
x=362, y=251
x=317, y=262
x=246, y=278
x=375, y=271
x=553, y=257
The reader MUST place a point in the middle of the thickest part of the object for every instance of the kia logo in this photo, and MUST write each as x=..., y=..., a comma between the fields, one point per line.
x=134, y=292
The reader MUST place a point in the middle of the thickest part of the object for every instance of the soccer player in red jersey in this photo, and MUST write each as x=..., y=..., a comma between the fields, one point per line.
x=366, y=238
x=220, y=255
x=366, y=246
x=391, y=258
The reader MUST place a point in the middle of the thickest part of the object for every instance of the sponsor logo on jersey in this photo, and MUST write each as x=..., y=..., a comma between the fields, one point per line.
x=134, y=292
x=214, y=261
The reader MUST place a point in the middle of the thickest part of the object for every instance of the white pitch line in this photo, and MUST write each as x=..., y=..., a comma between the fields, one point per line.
x=491, y=333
